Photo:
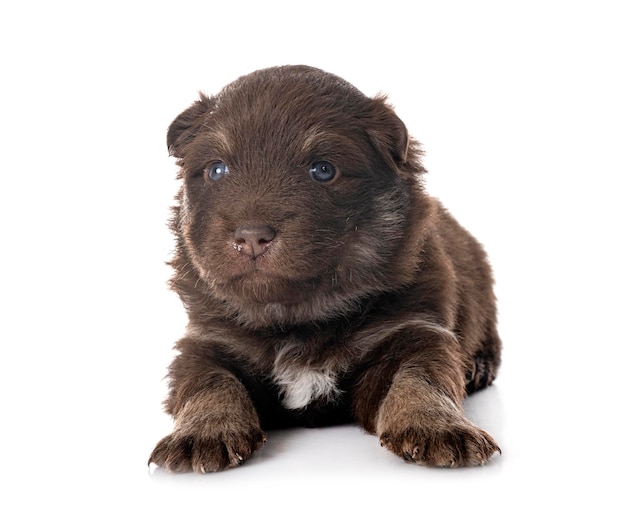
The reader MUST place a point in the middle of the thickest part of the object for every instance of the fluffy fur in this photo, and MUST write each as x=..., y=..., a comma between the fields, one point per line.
x=323, y=284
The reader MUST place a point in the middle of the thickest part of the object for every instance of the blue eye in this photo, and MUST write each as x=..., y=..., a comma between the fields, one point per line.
x=215, y=171
x=322, y=171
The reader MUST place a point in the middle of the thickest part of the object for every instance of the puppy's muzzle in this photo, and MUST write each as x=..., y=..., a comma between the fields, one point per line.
x=253, y=240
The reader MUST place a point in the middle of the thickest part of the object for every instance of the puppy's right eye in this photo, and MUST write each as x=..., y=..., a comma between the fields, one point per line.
x=322, y=171
x=215, y=171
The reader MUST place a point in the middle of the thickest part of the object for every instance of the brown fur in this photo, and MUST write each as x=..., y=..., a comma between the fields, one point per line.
x=318, y=302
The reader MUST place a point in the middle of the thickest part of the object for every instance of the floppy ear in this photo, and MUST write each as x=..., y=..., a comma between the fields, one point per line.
x=185, y=127
x=388, y=133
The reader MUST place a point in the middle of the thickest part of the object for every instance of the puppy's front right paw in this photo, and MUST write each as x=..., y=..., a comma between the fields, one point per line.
x=199, y=453
x=448, y=445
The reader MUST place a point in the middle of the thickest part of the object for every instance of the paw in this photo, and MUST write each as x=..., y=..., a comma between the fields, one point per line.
x=200, y=453
x=453, y=445
x=482, y=374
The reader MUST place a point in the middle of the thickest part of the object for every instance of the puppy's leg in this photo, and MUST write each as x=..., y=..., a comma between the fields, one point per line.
x=484, y=366
x=420, y=423
x=216, y=425
x=420, y=416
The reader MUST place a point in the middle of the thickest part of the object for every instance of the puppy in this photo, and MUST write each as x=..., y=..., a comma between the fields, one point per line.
x=323, y=285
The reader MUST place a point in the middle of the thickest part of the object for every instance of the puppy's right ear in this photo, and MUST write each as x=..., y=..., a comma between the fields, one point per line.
x=185, y=127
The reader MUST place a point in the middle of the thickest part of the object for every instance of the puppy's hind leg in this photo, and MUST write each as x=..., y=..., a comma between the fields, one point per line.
x=484, y=365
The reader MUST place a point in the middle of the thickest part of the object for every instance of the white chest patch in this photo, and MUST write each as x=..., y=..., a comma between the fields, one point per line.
x=302, y=385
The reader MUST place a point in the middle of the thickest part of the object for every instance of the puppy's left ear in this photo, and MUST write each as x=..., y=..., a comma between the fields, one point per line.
x=185, y=127
x=388, y=133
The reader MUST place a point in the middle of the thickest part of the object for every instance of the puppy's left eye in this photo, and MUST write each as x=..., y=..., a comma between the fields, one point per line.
x=215, y=171
x=322, y=171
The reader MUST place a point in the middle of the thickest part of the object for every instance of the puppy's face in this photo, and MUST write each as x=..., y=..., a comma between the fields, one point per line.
x=298, y=194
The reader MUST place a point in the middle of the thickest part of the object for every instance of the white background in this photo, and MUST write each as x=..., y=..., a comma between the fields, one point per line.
x=521, y=109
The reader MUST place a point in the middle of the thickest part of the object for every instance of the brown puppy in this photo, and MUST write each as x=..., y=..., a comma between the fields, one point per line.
x=322, y=284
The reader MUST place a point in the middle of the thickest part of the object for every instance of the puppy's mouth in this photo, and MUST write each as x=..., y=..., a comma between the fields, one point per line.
x=258, y=268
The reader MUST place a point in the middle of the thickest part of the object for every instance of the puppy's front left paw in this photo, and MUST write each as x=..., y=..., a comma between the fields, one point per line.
x=454, y=445
x=200, y=453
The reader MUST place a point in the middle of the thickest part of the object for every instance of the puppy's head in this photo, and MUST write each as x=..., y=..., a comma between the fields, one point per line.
x=300, y=197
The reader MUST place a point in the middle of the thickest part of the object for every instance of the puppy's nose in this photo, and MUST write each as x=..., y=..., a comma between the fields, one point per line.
x=254, y=240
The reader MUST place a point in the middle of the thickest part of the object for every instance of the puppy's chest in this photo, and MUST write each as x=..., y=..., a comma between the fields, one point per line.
x=303, y=379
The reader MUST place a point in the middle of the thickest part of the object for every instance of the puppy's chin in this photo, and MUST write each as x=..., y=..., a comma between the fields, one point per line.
x=261, y=288
x=266, y=301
